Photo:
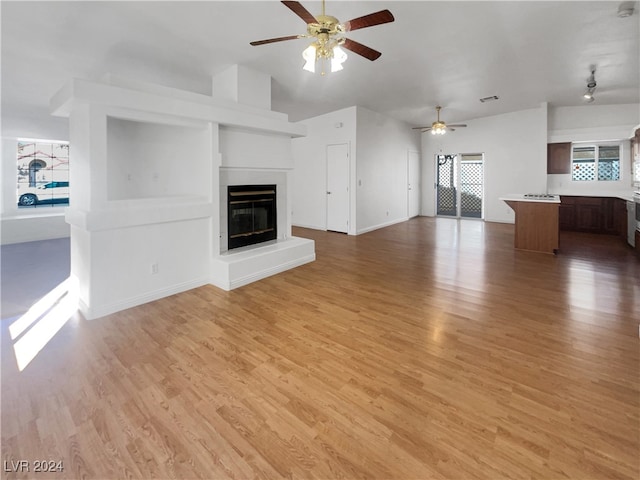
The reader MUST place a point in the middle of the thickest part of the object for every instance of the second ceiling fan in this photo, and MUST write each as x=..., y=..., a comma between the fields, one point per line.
x=439, y=127
x=328, y=34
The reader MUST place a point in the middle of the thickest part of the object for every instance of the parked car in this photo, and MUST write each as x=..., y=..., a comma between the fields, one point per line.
x=51, y=192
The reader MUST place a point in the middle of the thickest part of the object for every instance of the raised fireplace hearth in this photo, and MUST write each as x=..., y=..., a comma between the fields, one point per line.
x=251, y=215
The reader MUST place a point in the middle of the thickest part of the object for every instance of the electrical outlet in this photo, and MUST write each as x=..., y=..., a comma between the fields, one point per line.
x=154, y=269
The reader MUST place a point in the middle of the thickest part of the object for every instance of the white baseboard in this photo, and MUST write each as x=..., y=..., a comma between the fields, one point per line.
x=96, y=311
x=381, y=225
x=312, y=227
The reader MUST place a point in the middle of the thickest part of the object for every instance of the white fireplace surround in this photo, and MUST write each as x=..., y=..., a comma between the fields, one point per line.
x=238, y=267
x=150, y=166
x=235, y=176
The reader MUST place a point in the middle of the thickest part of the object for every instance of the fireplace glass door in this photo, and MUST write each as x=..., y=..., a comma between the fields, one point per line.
x=251, y=214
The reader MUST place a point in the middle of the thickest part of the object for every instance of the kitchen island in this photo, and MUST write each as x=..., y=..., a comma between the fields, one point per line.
x=537, y=221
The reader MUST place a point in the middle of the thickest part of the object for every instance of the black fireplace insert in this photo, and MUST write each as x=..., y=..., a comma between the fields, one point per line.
x=251, y=214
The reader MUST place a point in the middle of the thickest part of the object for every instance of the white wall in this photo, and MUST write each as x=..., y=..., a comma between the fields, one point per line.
x=251, y=149
x=309, y=178
x=124, y=258
x=514, y=147
x=378, y=150
x=37, y=226
x=381, y=169
x=34, y=124
x=594, y=123
x=146, y=160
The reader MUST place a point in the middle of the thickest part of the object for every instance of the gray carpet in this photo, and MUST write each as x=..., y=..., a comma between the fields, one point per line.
x=29, y=271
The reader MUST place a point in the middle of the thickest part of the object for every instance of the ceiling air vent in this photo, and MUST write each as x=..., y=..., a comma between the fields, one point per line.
x=489, y=99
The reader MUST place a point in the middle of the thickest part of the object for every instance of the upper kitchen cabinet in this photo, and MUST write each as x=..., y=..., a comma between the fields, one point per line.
x=559, y=157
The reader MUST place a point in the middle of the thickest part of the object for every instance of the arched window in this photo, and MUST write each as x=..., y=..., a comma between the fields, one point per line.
x=34, y=166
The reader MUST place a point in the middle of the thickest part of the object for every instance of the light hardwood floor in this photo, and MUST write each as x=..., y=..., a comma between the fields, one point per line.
x=429, y=349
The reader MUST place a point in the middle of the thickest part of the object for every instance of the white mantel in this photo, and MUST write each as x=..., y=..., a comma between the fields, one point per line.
x=148, y=164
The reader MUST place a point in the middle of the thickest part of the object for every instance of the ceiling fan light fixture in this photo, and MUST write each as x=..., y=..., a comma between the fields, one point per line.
x=438, y=128
x=328, y=32
x=309, y=56
x=338, y=58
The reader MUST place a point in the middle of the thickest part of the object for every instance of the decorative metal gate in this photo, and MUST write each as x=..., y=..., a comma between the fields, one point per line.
x=460, y=185
x=447, y=201
x=471, y=185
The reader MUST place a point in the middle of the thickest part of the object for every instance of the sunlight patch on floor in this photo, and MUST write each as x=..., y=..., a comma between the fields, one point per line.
x=42, y=321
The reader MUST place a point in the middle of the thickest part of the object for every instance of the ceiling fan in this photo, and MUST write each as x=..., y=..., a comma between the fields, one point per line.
x=328, y=34
x=439, y=127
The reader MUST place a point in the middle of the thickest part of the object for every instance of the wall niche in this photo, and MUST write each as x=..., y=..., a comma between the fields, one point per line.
x=151, y=160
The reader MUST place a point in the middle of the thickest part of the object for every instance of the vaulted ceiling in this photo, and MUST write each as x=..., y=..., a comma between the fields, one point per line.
x=435, y=53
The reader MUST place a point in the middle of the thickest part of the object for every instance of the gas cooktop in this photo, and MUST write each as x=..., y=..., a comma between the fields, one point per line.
x=541, y=196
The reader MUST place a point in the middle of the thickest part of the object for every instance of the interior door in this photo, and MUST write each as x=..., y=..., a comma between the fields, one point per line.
x=413, y=184
x=338, y=187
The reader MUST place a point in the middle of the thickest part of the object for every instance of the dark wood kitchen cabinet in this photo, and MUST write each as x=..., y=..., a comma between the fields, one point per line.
x=589, y=215
x=594, y=215
x=559, y=157
x=567, y=213
x=619, y=209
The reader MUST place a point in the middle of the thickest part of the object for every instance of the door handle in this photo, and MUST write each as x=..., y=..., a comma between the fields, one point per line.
x=328, y=193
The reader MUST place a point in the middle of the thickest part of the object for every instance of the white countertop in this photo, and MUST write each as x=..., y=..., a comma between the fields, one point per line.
x=520, y=197
x=622, y=195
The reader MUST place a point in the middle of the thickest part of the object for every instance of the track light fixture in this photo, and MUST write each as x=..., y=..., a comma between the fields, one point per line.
x=625, y=9
x=591, y=87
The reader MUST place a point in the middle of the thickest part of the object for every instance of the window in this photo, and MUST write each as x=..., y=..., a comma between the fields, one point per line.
x=595, y=162
x=43, y=173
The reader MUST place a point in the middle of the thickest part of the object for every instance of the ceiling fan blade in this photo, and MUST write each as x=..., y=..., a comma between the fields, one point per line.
x=377, y=18
x=361, y=49
x=420, y=128
x=457, y=125
x=273, y=40
x=303, y=13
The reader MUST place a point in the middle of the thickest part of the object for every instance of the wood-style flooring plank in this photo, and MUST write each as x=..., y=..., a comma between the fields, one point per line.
x=428, y=349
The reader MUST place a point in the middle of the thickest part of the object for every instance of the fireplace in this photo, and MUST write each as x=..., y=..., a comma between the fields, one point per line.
x=251, y=215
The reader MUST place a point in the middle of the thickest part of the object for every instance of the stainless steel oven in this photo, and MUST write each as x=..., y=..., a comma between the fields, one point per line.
x=636, y=199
